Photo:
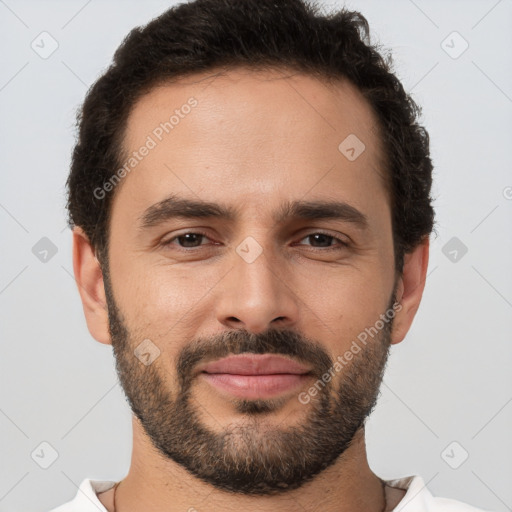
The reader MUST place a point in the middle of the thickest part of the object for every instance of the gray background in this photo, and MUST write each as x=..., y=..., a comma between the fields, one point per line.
x=449, y=381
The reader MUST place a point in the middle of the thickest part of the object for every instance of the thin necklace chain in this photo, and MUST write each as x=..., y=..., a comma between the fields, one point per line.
x=115, y=490
x=381, y=481
x=383, y=495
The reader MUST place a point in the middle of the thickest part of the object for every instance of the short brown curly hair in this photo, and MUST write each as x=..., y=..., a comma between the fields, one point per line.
x=202, y=35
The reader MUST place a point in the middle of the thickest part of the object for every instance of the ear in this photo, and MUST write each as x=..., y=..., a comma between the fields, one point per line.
x=89, y=278
x=410, y=289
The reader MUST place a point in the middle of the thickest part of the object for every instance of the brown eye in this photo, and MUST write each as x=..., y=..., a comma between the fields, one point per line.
x=324, y=241
x=188, y=240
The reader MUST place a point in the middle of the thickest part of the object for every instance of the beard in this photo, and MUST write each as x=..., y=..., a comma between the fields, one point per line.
x=254, y=457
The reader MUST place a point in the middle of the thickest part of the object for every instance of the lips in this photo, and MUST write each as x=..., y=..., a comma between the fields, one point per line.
x=255, y=364
x=255, y=375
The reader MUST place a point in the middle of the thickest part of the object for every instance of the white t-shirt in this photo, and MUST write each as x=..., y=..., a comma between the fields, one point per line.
x=417, y=498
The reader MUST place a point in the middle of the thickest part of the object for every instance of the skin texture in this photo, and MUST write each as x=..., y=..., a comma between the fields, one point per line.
x=254, y=141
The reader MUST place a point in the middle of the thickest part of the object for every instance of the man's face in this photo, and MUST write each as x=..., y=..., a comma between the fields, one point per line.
x=270, y=279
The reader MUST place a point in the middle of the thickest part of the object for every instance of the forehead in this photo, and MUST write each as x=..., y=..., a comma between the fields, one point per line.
x=250, y=135
x=253, y=99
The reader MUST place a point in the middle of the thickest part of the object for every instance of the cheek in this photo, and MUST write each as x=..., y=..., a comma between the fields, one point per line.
x=166, y=303
x=360, y=291
x=344, y=303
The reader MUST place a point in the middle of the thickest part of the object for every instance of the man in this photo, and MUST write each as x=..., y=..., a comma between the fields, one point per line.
x=250, y=199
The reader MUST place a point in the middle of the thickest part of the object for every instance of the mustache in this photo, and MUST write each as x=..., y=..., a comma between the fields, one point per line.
x=282, y=342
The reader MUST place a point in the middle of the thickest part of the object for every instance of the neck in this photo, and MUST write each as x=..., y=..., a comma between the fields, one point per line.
x=159, y=484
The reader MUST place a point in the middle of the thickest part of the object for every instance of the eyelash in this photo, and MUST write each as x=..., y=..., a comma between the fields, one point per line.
x=342, y=244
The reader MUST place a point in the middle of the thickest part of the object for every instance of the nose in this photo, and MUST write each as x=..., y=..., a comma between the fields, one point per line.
x=257, y=295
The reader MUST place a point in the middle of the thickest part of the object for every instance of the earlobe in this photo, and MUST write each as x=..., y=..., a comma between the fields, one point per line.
x=410, y=289
x=89, y=279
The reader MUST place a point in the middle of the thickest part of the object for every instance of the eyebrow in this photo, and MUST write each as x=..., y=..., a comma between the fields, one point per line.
x=176, y=207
